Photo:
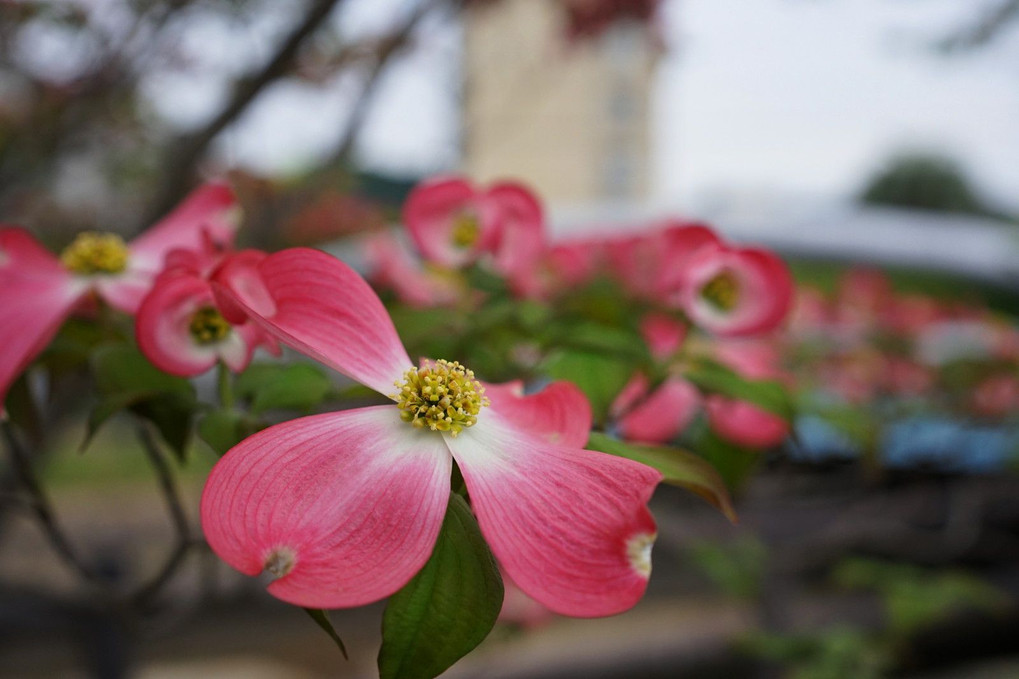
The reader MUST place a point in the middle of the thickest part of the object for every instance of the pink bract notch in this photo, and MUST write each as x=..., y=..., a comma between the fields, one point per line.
x=38, y=290
x=453, y=223
x=344, y=508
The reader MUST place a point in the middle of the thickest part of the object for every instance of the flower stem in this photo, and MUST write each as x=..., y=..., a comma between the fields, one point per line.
x=226, y=394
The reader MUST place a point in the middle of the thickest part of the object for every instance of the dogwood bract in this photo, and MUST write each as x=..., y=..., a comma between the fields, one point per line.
x=344, y=508
x=453, y=223
x=38, y=290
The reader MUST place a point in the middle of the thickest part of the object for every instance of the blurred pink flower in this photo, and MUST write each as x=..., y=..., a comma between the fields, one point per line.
x=180, y=327
x=996, y=396
x=741, y=422
x=657, y=416
x=745, y=424
x=454, y=224
x=38, y=290
x=733, y=291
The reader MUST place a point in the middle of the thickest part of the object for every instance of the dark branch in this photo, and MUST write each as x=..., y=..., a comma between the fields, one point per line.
x=42, y=508
x=388, y=48
x=182, y=528
x=188, y=151
x=985, y=29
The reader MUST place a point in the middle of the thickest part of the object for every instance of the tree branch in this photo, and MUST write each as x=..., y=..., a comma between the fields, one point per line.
x=42, y=508
x=985, y=29
x=389, y=47
x=187, y=151
x=182, y=528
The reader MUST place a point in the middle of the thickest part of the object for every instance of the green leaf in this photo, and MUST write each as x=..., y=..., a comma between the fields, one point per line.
x=298, y=386
x=107, y=408
x=602, y=339
x=74, y=345
x=716, y=378
x=600, y=377
x=322, y=620
x=533, y=315
x=418, y=325
x=734, y=463
x=679, y=467
x=448, y=608
x=126, y=380
x=223, y=429
x=171, y=413
x=120, y=368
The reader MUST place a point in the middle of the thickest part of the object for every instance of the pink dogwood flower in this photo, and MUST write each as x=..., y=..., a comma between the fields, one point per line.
x=732, y=291
x=343, y=508
x=454, y=224
x=38, y=290
x=180, y=326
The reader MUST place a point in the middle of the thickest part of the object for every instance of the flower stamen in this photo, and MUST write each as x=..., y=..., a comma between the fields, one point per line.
x=466, y=229
x=722, y=291
x=208, y=326
x=95, y=253
x=442, y=396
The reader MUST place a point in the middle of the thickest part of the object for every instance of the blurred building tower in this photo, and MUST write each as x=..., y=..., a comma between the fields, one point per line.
x=571, y=118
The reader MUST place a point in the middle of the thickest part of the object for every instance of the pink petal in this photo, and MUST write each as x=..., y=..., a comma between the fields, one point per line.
x=239, y=274
x=429, y=213
x=754, y=359
x=36, y=295
x=570, y=526
x=210, y=211
x=124, y=291
x=318, y=305
x=162, y=326
x=663, y=334
x=22, y=254
x=520, y=229
x=744, y=423
x=235, y=350
x=353, y=501
x=681, y=242
x=631, y=394
x=663, y=415
x=394, y=267
x=559, y=413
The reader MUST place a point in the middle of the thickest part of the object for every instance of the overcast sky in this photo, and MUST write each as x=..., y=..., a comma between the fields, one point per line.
x=765, y=96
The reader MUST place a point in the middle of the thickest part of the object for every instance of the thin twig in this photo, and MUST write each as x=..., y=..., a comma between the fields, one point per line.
x=388, y=48
x=985, y=29
x=177, y=515
x=189, y=150
x=42, y=508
